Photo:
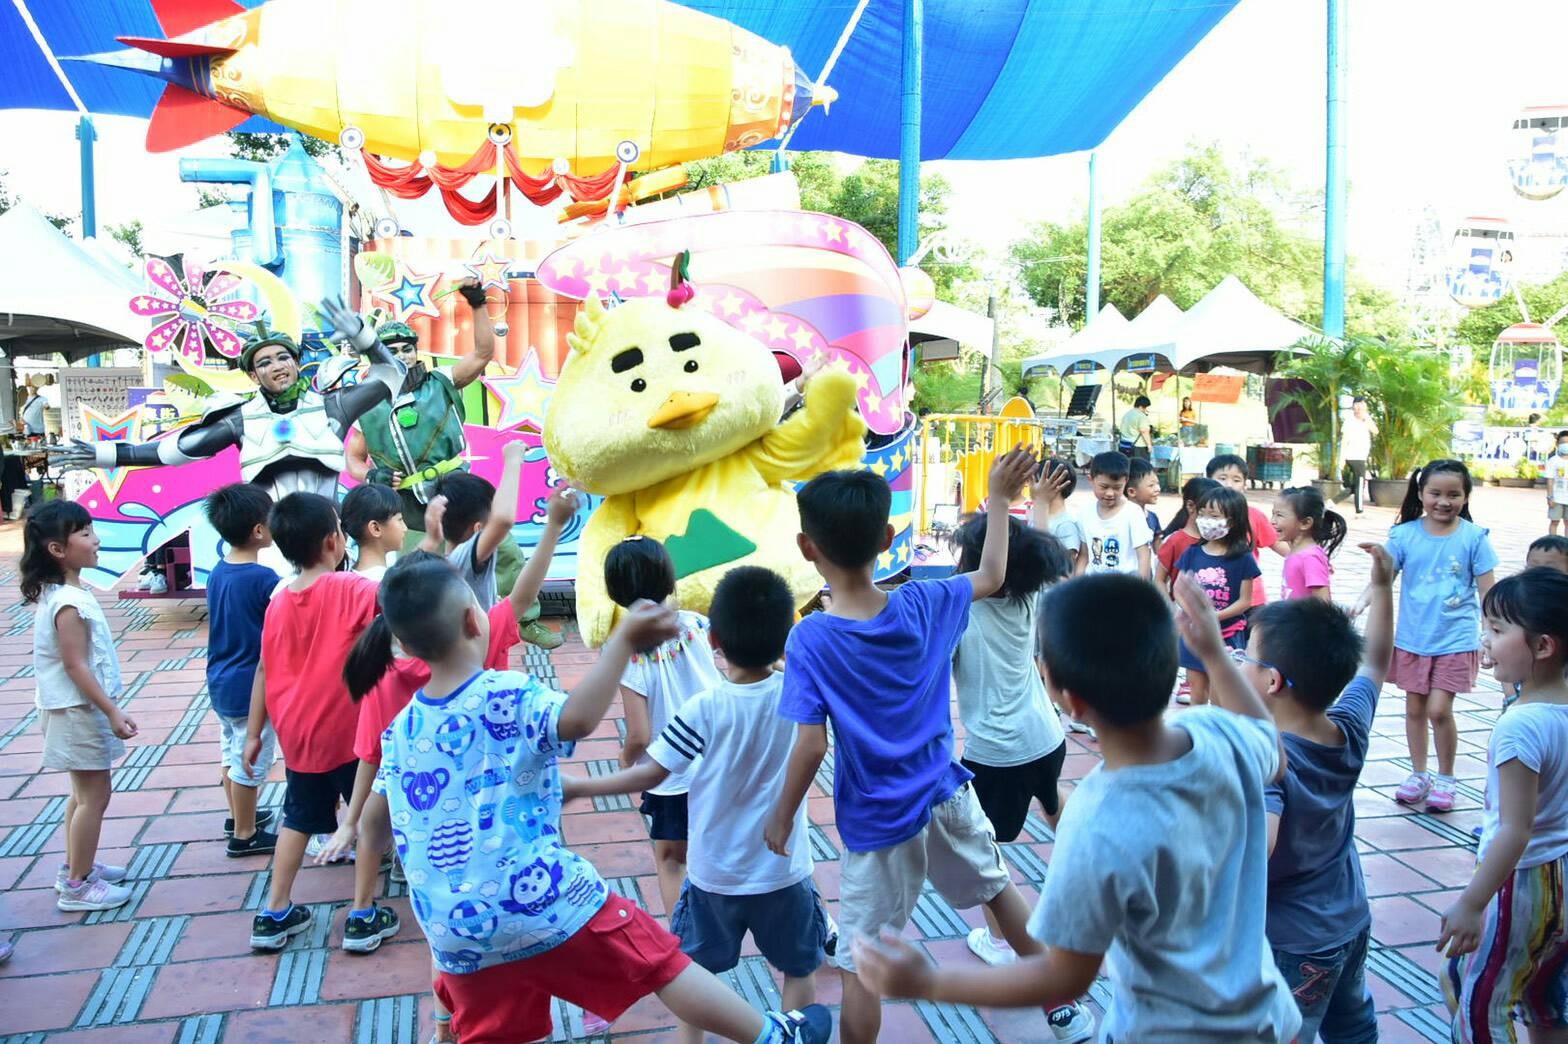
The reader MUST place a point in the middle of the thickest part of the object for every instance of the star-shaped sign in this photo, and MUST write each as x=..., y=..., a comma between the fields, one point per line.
x=523, y=395
x=410, y=294
x=124, y=427
x=490, y=271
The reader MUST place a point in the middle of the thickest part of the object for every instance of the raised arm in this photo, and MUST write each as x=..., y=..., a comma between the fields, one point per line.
x=645, y=626
x=382, y=381
x=1008, y=475
x=562, y=506
x=206, y=438
x=503, y=509
x=467, y=369
x=825, y=433
x=1378, y=652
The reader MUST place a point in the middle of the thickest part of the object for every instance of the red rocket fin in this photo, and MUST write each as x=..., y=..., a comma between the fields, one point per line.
x=171, y=48
x=178, y=17
x=184, y=117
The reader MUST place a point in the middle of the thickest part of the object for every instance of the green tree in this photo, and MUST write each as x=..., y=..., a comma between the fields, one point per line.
x=263, y=147
x=1480, y=327
x=129, y=235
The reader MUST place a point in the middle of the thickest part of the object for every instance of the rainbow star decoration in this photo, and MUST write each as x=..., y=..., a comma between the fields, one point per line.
x=490, y=271
x=410, y=293
x=124, y=427
x=523, y=395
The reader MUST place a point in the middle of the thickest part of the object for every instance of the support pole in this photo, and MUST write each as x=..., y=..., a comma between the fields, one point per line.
x=1334, y=180
x=909, y=132
x=1092, y=287
x=87, y=134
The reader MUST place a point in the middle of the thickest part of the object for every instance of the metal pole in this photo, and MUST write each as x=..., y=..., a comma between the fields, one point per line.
x=1334, y=180
x=1092, y=290
x=990, y=363
x=909, y=132
x=86, y=134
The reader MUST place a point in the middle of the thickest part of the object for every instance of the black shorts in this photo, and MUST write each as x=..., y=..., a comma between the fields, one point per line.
x=666, y=816
x=310, y=802
x=1005, y=793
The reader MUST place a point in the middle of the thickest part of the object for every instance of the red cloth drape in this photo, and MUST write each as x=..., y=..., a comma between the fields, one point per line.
x=415, y=180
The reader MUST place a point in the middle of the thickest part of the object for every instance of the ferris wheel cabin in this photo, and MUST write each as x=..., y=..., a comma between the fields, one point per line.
x=1480, y=261
x=1538, y=152
x=1526, y=372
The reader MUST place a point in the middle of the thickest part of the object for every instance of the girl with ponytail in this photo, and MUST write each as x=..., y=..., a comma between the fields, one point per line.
x=1314, y=532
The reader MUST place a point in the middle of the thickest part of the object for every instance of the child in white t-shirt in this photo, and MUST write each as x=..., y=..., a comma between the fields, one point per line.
x=1555, y=472
x=735, y=749
x=1504, y=935
x=77, y=681
x=1116, y=534
x=654, y=689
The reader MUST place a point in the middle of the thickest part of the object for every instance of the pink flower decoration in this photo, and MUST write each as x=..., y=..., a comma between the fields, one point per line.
x=194, y=313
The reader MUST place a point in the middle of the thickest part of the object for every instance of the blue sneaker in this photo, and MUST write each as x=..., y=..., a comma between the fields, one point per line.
x=812, y=1024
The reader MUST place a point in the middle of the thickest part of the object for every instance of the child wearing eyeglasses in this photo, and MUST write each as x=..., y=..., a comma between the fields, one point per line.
x=1321, y=682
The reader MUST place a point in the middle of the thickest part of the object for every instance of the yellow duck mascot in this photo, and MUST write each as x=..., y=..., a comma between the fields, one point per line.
x=672, y=415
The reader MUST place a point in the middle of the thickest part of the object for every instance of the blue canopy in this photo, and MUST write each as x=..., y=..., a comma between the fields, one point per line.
x=1003, y=79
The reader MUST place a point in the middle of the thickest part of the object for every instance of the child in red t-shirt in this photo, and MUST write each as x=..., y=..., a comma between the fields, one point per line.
x=1181, y=534
x=310, y=625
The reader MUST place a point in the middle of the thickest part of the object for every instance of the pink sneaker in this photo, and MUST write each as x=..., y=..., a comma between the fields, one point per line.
x=593, y=1025
x=1415, y=788
x=1441, y=798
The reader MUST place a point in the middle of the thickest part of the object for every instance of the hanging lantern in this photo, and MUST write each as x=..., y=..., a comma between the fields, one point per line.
x=1526, y=372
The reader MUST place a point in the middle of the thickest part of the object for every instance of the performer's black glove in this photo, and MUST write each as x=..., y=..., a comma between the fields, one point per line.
x=379, y=476
x=474, y=295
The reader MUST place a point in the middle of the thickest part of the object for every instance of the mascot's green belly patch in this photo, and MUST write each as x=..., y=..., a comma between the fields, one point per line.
x=706, y=544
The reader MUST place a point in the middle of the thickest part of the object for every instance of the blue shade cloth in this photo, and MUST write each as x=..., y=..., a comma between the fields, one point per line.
x=1002, y=80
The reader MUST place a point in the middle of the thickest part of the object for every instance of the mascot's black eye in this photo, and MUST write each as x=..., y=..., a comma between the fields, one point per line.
x=691, y=366
x=638, y=384
x=682, y=341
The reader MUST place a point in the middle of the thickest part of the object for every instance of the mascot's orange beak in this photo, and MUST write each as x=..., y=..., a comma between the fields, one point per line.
x=683, y=410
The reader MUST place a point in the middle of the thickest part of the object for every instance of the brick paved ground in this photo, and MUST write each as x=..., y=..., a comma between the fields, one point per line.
x=174, y=964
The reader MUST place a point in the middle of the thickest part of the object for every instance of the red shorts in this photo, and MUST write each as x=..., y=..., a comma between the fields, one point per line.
x=1451, y=672
x=614, y=961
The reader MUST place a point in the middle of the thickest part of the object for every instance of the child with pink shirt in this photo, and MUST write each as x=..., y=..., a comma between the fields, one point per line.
x=1314, y=532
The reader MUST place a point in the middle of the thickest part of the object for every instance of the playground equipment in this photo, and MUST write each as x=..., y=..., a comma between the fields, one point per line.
x=1538, y=163
x=1526, y=371
x=1480, y=261
x=955, y=452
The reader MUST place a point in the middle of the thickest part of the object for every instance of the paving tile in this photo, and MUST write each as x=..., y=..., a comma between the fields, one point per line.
x=43, y=1004
x=71, y=947
x=195, y=895
x=333, y=1022
x=218, y=984
x=396, y=967
x=139, y=1033
x=1398, y=920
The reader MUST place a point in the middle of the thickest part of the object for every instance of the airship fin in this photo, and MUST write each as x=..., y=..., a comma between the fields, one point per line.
x=184, y=117
x=178, y=17
x=171, y=48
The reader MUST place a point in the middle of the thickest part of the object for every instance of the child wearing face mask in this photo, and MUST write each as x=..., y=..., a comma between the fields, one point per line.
x=1223, y=566
x=1556, y=473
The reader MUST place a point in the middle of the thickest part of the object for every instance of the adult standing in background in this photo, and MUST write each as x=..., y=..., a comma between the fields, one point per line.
x=1356, y=446
x=1137, y=439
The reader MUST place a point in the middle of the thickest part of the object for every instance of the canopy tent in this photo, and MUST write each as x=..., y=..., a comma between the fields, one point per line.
x=55, y=296
x=1087, y=345
x=1000, y=80
x=1150, y=332
x=946, y=328
x=1231, y=327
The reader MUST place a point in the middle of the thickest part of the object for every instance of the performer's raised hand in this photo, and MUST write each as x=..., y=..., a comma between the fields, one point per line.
x=347, y=322
x=78, y=454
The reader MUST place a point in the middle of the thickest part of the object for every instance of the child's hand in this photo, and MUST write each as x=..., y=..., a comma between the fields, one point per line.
x=513, y=453
x=630, y=754
x=338, y=848
x=776, y=834
x=1461, y=929
x=892, y=968
x=1048, y=485
x=122, y=725
x=1196, y=620
x=435, y=511
x=252, y=753
x=647, y=624
x=1382, y=564
x=563, y=506
x=1008, y=475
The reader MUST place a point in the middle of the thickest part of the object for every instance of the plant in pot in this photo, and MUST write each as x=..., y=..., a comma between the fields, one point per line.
x=1524, y=475
x=1408, y=392
x=1327, y=370
x=1483, y=473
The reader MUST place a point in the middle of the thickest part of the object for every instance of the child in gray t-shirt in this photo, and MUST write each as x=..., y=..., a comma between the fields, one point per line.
x=1160, y=865
x=474, y=517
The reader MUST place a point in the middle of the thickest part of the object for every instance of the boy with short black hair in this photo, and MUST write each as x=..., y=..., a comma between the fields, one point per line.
x=1321, y=682
x=311, y=624
x=1160, y=864
x=879, y=665
x=1548, y=551
x=1116, y=533
x=476, y=518
x=740, y=748
x=238, y=590
x=1143, y=489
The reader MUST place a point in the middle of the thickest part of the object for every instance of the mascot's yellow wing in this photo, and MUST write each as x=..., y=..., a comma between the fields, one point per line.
x=824, y=434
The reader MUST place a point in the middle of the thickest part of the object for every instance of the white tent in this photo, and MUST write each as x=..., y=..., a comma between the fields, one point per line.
x=1231, y=327
x=57, y=297
x=1151, y=331
x=946, y=328
x=1087, y=345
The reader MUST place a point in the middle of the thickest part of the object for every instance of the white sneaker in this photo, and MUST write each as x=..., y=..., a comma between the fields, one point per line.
x=93, y=895
x=1074, y=725
x=99, y=872
x=318, y=844
x=984, y=947
x=145, y=583
x=1070, y=1024
x=159, y=585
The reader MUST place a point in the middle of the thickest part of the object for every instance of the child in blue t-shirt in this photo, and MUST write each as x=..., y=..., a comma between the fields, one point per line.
x=1447, y=561
x=470, y=773
x=238, y=590
x=1321, y=684
x=1223, y=566
x=879, y=665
